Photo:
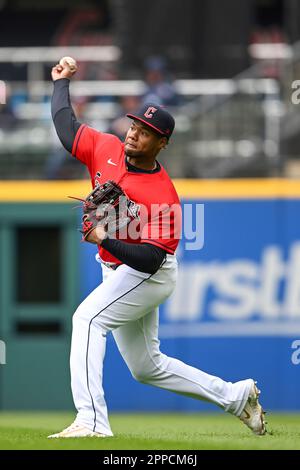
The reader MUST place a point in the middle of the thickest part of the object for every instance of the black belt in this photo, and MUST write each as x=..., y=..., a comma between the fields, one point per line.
x=112, y=266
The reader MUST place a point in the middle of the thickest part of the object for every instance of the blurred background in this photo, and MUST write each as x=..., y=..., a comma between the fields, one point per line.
x=228, y=72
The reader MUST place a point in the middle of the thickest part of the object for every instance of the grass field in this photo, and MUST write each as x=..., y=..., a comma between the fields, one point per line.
x=150, y=431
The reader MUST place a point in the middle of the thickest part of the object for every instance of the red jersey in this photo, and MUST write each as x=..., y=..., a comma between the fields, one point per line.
x=153, y=196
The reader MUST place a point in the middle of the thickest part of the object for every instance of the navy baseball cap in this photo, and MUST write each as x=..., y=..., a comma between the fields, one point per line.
x=156, y=117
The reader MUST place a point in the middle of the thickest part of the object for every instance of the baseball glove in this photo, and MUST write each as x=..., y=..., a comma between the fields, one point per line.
x=106, y=205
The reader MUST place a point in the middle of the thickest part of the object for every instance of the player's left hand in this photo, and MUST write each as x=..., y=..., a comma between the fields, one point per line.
x=97, y=235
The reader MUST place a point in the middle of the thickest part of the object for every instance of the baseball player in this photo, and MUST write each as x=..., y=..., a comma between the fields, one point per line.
x=139, y=273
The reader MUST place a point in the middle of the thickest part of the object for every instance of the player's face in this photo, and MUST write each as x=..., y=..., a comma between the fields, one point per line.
x=142, y=142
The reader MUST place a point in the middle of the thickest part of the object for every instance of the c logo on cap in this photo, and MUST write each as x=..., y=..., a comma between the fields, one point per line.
x=150, y=111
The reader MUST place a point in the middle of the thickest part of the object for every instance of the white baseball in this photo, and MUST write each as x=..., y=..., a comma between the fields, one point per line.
x=70, y=62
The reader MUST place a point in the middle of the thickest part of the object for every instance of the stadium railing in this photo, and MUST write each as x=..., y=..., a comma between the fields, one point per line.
x=225, y=127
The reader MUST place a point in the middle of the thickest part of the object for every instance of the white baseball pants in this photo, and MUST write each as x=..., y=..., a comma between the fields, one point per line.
x=126, y=303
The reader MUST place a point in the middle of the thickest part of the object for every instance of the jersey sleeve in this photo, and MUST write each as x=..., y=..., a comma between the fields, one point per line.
x=163, y=227
x=84, y=143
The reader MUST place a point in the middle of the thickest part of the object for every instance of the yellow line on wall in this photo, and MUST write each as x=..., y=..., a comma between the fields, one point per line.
x=43, y=191
x=58, y=191
x=239, y=188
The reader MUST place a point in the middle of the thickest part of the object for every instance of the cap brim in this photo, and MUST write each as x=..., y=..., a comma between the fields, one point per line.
x=132, y=116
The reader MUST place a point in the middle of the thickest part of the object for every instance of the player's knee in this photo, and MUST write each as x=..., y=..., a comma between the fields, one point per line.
x=146, y=368
x=144, y=374
x=138, y=375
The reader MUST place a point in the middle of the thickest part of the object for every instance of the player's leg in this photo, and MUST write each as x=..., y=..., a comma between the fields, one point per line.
x=139, y=345
x=124, y=296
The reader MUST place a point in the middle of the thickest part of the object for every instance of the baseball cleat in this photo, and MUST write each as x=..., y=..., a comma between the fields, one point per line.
x=76, y=430
x=253, y=415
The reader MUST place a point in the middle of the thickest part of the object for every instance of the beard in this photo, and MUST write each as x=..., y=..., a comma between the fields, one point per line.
x=133, y=153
